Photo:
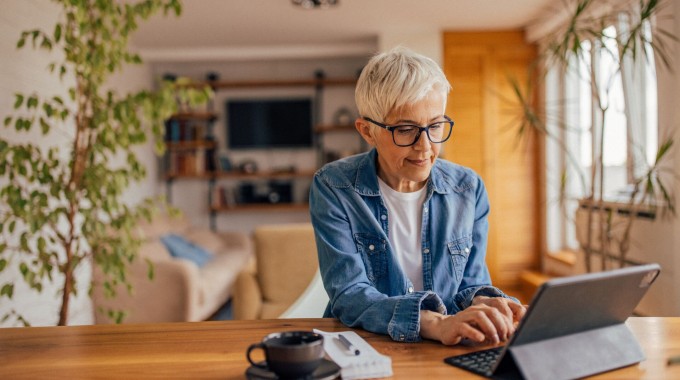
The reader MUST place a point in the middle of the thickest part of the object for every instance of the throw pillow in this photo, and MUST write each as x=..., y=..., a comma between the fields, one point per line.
x=181, y=248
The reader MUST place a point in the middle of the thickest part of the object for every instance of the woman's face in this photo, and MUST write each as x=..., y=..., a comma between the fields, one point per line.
x=406, y=169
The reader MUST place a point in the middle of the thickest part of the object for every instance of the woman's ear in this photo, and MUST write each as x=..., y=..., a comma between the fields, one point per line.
x=365, y=131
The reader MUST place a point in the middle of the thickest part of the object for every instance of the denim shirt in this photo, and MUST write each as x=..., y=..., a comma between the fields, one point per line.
x=365, y=284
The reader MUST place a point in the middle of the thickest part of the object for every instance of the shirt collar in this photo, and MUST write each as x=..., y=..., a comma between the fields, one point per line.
x=366, y=181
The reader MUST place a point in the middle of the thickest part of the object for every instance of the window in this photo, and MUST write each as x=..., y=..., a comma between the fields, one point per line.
x=625, y=108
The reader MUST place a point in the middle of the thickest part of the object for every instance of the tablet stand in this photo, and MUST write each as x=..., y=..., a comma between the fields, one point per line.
x=573, y=356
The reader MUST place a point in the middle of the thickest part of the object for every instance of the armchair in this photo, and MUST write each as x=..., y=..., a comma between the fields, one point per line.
x=285, y=274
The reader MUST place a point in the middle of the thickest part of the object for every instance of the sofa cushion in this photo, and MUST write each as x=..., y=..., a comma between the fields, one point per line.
x=155, y=251
x=205, y=238
x=183, y=249
x=162, y=225
x=217, y=278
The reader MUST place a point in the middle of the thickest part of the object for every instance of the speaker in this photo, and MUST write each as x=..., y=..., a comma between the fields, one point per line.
x=246, y=193
x=280, y=192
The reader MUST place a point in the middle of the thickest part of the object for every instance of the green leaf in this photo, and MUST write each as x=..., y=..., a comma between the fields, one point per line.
x=8, y=121
x=12, y=224
x=49, y=111
x=24, y=241
x=57, y=33
x=32, y=102
x=150, y=273
x=7, y=290
x=21, y=42
x=23, y=268
x=41, y=244
x=46, y=43
x=44, y=126
x=19, y=100
x=3, y=262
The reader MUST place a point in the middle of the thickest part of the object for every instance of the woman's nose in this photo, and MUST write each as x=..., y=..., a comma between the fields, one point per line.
x=422, y=142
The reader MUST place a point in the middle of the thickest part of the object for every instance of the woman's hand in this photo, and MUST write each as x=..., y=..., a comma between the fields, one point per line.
x=479, y=323
x=506, y=306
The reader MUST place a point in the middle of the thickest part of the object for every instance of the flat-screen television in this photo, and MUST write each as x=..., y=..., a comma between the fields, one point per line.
x=269, y=123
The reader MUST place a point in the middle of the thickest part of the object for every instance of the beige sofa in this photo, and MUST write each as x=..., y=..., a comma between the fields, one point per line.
x=180, y=290
x=286, y=264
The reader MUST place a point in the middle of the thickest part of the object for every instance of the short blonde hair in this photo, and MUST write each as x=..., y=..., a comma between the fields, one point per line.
x=396, y=78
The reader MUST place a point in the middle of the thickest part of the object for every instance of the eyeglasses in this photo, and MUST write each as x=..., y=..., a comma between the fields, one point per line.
x=408, y=134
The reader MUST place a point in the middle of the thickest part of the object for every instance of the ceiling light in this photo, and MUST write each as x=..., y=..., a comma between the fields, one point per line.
x=315, y=4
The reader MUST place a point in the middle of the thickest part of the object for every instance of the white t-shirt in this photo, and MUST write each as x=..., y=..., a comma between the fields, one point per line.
x=405, y=215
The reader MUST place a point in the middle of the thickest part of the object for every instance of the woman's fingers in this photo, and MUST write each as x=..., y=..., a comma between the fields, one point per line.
x=518, y=310
x=496, y=325
x=512, y=310
x=471, y=333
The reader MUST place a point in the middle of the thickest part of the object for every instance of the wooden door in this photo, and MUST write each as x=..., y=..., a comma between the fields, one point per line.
x=479, y=65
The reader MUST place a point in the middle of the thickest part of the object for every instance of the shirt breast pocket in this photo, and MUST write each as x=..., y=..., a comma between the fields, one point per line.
x=459, y=251
x=373, y=251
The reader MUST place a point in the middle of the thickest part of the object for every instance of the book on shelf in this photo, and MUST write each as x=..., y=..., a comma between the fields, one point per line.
x=182, y=130
x=223, y=197
x=179, y=163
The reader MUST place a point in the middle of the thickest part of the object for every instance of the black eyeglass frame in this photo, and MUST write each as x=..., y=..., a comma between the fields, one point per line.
x=392, y=128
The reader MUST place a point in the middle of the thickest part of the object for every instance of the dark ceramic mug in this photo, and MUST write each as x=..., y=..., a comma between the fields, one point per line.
x=290, y=354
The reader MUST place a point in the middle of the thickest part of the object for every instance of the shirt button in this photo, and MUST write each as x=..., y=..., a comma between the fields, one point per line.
x=426, y=250
x=467, y=250
x=410, y=289
x=383, y=217
x=425, y=209
x=371, y=247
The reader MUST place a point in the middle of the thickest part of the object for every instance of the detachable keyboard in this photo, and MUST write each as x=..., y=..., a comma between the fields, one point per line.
x=479, y=362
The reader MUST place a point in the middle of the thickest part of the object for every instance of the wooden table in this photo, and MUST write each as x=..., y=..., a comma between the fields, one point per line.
x=216, y=350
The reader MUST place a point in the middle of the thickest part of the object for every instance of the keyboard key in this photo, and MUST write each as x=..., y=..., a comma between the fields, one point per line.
x=479, y=362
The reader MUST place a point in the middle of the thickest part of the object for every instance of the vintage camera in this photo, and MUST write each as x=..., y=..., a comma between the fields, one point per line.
x=270, y=192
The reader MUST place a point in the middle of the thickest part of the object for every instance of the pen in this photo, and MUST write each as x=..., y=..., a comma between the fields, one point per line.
x=673, y=360
x=348, y=344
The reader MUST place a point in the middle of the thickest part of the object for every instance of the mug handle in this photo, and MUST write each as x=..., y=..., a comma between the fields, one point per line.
x=253, y=347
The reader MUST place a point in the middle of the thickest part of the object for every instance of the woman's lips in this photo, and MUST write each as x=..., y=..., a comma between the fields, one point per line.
x=422, y=162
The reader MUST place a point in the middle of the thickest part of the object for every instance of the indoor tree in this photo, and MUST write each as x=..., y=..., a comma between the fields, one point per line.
x=63, y=205
x=588, y=35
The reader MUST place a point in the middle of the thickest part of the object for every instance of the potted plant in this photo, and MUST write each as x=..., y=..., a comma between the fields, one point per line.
x=60, y=209
x=621, y=34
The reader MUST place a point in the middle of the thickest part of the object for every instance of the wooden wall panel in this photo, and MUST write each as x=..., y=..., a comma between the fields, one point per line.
x=478, y=66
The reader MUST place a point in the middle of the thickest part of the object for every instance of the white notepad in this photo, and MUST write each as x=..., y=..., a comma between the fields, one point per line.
x=368, y=364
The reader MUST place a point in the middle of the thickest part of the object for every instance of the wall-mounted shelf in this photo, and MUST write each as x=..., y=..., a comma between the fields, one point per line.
x=216, y=85
x=244, y=176
x=194, y=115
x=265, y=175
x=203, y=141
x=255, y=207
x=334, y=128
x=194, y=144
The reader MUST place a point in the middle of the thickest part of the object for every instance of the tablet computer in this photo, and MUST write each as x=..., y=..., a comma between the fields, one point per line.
x=574, y=327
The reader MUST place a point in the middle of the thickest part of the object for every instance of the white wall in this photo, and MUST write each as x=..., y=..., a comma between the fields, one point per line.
x=26, y=71
x=426, y=42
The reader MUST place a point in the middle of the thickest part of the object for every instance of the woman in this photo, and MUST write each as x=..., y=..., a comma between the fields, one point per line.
x=401, y=235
